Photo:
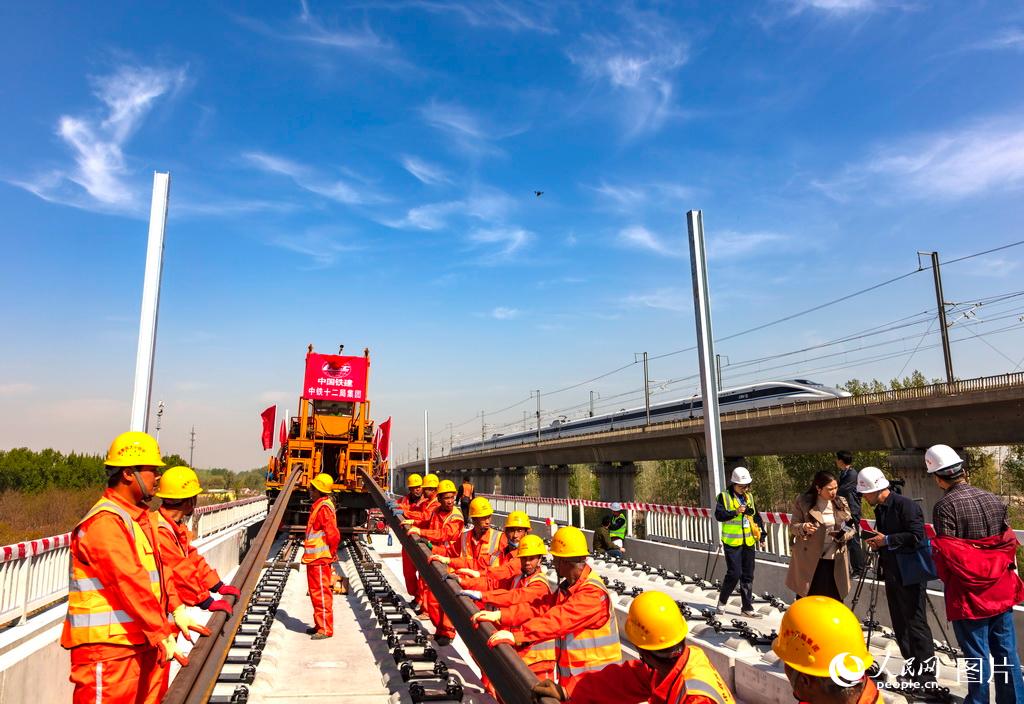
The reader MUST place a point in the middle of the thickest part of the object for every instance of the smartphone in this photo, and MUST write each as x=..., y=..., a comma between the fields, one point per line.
x=867, y=534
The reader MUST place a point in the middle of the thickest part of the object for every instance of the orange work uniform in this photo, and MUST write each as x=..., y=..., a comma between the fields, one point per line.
x=536, y=592
x=118, y=601
x=320, y=549
x=442, y=530
x=191, y=573
x=692, y=680
x=481, y=553
x=498, y=576
x=580, y=618
x=868, y=695
x=410, y=506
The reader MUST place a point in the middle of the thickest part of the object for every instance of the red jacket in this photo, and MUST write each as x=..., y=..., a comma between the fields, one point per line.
x=979, y=575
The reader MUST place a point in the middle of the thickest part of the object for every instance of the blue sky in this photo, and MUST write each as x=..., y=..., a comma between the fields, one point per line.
x=365, y=173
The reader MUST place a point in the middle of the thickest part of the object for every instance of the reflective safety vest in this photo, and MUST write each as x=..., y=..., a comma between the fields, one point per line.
x=620, y=531
x=315, y=545
x=699, y=677
x=96, y=614
x=593, y=648
x=487, y=548
x=542, y=651
x=737, y=531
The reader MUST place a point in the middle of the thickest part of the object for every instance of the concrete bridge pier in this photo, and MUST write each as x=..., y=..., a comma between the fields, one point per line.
x=615, y=481
x=483, y=480
x=554, y=480
x=909, y=465
x=513, y=480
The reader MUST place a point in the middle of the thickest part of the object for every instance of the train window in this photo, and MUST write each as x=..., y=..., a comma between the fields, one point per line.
x=333, y=408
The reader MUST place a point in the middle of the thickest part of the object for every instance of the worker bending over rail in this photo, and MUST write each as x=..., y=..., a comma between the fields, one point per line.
x=319, y=552
x=417, y=513
x=116, y=628
x=669, y=670
x=193, y=577
x=403, y=508
x=481, y=546
x=507, y=567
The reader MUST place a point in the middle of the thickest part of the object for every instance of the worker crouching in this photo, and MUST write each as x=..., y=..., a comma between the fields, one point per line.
x=319, y=551
x=669, y=670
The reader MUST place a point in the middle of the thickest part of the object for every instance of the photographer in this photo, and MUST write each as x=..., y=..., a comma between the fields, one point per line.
x=821, y=527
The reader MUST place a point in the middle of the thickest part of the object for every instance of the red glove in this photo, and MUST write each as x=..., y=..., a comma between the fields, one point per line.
x=220, y=605
x=228, y=590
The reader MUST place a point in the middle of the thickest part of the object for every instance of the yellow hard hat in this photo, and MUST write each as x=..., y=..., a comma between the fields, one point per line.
x=178, y=483
x=430, y=481
x=480, y=507
x=569, y=541
x=447, y=486
x=654, y=622
x=413, y=481
x=531, y=545
x=820, y=637
x=323, y=483
x=517, y=519
x=134, y=449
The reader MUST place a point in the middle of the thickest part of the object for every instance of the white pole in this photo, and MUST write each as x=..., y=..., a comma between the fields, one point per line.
x=426, y=443
x=150, y=303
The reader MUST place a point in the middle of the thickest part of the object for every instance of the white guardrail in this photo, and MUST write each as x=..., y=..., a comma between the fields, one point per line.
x=34, y=574
x=690, y=526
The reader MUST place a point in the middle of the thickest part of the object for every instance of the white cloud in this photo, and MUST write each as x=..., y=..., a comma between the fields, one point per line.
x=836, y=7
x=627, y=199
x=485, y=204
x=639, y=237
x=638, y=65
x=502, y=313
x=97, y=141
x=323, y=247
x=16, y=389
x=671, y=299
x=427, y=173
x=1008, y=40
x=513, y=16
x=982, y=158
x=468, y=132
x=305, y=177
x=510, y=239
x=729, y=244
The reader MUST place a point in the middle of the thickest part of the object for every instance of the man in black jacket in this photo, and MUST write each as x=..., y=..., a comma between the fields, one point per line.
x=899, y=527
x=847, y=477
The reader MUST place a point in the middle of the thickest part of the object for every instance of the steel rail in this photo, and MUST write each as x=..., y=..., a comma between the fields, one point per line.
x=511, y=678
x=194, y=683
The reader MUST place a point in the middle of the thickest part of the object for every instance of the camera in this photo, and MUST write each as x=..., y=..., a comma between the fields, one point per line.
x=897, y=485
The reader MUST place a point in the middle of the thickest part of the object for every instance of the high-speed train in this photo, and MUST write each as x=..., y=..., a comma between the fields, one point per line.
x=766, y=393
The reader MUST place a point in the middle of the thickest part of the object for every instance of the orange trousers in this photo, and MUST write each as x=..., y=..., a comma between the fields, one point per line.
x=138, y=678
x=439, y=618
x=318, y=577
x=412, y=582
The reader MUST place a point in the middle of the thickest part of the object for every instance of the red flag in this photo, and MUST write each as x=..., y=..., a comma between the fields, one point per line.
x=282, y=437
x=268, y=417
x=382, y=439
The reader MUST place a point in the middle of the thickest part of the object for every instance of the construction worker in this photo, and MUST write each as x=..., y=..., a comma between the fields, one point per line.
x=508, y=566
x=407, y=505
x=822, y=647
x=192, y=575
x=466, y=495
x=742, y=528
x=579, y=616
x=617, y=528
x=480, y=546
x=668, y=672
x=118, y=598
x=442, y=528
x=975, y=556
x=319, y=551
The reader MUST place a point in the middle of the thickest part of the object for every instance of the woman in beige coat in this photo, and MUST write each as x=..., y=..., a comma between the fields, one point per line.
x=821, y=528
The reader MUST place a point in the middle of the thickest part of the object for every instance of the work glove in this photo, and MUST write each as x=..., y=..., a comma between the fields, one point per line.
x=473, y=594
x=548, y=689
x=501, y=638
x=391, y=504
x=413, y=530
x=399, y=513
x=466, y=572
x=227, y=590
x=439, y=558
x=169, y=649
x=486, y=617
x=219, y=605
x=407, y=522
x=186, y=623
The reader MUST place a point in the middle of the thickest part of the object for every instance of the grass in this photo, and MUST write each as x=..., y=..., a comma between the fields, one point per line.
x=39, y=515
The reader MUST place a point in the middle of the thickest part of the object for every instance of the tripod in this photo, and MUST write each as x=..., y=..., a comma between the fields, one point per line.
x=870, y=621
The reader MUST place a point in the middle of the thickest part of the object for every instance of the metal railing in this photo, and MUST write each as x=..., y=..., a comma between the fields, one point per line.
x=34, y=574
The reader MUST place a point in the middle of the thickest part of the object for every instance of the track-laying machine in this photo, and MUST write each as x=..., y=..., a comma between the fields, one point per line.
x=332, y=433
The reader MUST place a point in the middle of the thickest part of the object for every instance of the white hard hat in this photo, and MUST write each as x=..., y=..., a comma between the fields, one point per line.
x=616, y=506
x=740, y=475
x=943, y=460
x=871, y=479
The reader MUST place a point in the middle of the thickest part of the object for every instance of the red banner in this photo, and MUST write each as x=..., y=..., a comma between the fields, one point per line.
x=382, y=439
x=282, y=437
x=335, y=378
x=268, y=417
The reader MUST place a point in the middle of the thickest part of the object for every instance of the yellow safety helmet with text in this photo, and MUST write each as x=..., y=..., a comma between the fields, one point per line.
x=530, y=546
x=134, y=449
x=323, y=483
x=430, y=481
x=447, y=486
x=518, y=519
x=654, y=622
x=480, y=507
x=178, y=483
x=821, y=637
x=413, y=481
x=569, y=541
